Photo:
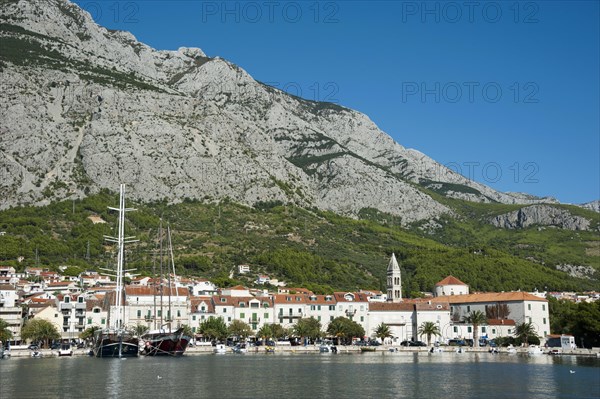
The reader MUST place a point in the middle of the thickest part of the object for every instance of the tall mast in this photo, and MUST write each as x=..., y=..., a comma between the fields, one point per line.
x=173, y=268
x=120, y=240
x=162, y=275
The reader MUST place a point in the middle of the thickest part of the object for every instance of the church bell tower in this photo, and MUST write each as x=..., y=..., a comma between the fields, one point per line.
x=394, y=281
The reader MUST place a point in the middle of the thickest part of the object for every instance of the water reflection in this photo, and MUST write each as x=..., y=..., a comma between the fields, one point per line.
x=402, y=374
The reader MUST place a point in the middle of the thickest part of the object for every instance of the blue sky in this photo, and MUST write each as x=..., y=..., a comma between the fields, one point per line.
x=508, y=93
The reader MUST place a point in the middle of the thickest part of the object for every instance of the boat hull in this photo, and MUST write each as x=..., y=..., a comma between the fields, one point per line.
x=116, y=345
x=166, y=344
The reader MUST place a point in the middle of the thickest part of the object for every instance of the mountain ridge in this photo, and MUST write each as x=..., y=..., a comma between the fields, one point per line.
x=88, y=108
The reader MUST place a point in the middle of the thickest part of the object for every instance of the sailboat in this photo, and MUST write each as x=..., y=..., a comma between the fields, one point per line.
x=116, y=340
x=165, y=341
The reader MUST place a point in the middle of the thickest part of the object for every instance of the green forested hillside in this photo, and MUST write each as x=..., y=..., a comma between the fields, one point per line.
x=316, y=249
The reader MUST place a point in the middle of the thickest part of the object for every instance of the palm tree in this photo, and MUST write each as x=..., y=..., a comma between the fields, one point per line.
x=39, y=330
x=428, y=328
x=140, y=330
x=265, y=332
x=382, y=332
x=89, y=332
x=524, y=331
x=476, y=318
x=308, y=327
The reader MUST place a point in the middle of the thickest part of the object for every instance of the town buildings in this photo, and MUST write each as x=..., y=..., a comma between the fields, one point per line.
x=73, y=306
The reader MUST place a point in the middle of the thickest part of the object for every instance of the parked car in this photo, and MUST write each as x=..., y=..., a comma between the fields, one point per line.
x=55, y=346
x=413, y=343
x=457, y=342
x=33, y=347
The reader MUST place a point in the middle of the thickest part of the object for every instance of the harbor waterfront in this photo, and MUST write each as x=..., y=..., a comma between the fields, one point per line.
x=378, y=374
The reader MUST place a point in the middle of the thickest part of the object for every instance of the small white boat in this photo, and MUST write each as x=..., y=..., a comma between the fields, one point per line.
x=327, y=349
x=460, y=350
x=435, y=350
x=534, y=350
x=220, y=349
x=511, y=349
x=36, y=354
x=65, y=350
x=240, y=349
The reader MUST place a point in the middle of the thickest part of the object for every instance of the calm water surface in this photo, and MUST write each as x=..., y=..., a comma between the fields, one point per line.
x=374, y=375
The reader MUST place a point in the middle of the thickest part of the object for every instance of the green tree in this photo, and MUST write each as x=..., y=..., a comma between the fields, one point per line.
x=240, y=329
x=89, y=333
x=213, y=328
x=428, y=328
x=140, y=330
x=343, y=330
x=475, y=318
x=187, y=330
x=39, y=330
x=265, y=332
x=308, y=327
x=5, y=333
x=525, y=331
x=278, y=331
x=382, y=332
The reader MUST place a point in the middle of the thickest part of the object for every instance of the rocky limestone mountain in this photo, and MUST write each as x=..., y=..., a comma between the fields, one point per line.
x=85, y=108
x=541, y=215
x=592, y=206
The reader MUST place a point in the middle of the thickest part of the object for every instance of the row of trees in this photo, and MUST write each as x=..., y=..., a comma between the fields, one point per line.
x=341, y=328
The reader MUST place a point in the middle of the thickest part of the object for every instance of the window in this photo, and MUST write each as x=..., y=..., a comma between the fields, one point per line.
x=139, y=313
x=242, y=315
x=331, y=307
x=544, y=308
x=159, y=313
x=203, y=308
x=178, y=313
x=483, y=330
x=469, y=329
x=509, y=331
x=455, y=329
x=319, y=307
x=80, y=299
x=67, y=299
x=312, y=307
x=194, y=317
x=299, y=310
x=330, y=318
x=224, y=310
x=544, y=320
x=103, y=321
x=493, y=331
x=223, y=300
x=362, y=318
x=266, y=315
x=319, y=318
x=528, y=306
x=96, y=310
x=193, y=329
x=89, y=320
x=468, y=309
x=242, y=304
x=229, y=319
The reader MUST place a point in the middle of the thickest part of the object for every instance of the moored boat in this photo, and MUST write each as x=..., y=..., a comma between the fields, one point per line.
x=115, y=340
x=220, y=349
x=165, y=342
x=534, y=350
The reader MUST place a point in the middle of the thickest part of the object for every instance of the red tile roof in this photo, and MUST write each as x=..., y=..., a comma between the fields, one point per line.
x=489, y=297
x=450, y=280
x=137, y=290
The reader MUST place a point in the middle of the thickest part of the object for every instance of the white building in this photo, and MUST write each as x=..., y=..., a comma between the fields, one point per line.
x=451, y=286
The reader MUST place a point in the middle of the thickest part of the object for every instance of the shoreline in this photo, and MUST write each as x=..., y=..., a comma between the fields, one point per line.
x=314, y=349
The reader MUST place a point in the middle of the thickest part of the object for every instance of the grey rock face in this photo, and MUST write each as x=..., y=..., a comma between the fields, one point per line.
x=90, y=108
x=592, y=206
x=541, y=215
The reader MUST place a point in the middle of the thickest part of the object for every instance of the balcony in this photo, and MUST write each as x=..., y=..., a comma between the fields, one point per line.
x=80, y=305
x=66, y=306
